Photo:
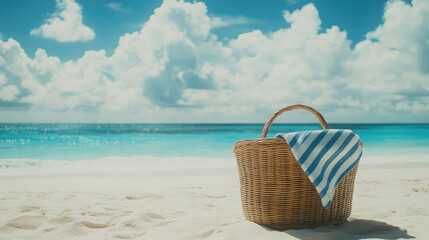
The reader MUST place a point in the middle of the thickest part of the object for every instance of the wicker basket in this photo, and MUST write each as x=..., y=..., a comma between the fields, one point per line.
x=275, y=191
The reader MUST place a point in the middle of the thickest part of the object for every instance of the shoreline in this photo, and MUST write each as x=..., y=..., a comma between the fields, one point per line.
x=159, y=165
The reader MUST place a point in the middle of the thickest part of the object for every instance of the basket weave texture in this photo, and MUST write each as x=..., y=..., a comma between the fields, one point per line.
x=276, y=192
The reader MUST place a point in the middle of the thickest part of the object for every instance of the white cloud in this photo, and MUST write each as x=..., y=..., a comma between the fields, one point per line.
x=406, y=29
x=8, y=93
x=65, y=25
x=15, y=79
x=116, y=6
x=227, y=21
x=176, y=70
x=393, y=63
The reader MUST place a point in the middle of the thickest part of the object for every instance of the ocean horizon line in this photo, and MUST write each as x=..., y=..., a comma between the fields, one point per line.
x=222, y=123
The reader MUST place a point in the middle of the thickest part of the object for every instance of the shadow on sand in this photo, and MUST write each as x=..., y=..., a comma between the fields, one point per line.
x=353, y=229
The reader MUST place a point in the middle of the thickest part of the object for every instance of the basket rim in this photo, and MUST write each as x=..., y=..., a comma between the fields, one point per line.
x=247, y=144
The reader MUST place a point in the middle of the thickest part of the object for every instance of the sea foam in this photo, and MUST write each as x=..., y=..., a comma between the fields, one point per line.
x=151, y=165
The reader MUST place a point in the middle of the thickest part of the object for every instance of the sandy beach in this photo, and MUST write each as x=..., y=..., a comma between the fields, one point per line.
x=196, y=203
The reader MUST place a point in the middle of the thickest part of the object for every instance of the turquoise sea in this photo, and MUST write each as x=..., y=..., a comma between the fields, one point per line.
x=93, y=141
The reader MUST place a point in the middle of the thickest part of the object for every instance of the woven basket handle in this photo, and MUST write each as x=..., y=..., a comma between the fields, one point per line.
x=294, y=107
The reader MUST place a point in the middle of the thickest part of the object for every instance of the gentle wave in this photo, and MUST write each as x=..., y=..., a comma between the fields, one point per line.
x=93, y=141
x=150, y=164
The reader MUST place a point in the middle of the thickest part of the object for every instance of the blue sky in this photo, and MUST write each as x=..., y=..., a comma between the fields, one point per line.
x=19, y=17
x=213, y=60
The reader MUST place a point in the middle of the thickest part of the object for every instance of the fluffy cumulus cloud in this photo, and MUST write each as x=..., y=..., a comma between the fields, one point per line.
x=65, y=25
x=175, y=69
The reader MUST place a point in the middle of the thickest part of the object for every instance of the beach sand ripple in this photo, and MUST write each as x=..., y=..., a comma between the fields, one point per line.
x=388, y=204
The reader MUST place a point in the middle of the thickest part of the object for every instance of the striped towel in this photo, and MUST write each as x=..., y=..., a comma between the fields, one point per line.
x=326, y=156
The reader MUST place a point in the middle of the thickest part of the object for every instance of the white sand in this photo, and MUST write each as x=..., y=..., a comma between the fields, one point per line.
x=195, y=204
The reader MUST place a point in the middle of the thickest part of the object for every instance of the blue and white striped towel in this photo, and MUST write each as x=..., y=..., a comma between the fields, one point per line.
x=326, y=156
